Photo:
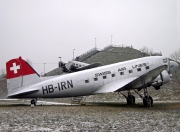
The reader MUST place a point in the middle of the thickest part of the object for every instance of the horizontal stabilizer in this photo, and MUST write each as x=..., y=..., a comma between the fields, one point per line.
x=22, y=93
x=90, y=66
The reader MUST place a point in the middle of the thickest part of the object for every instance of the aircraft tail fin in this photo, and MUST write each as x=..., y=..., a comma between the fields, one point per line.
x=20, y=74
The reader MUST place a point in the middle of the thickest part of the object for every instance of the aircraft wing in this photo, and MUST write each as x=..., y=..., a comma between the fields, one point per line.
x=114, y=86
x=22, y=92
x=145, y=80
x=132, y=82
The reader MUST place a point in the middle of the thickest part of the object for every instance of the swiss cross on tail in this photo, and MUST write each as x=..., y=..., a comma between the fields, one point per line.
x=18, y=67
x=15, y=68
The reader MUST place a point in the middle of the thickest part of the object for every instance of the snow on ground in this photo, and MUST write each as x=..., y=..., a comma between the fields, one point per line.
x=104, y=117
x=51, y=103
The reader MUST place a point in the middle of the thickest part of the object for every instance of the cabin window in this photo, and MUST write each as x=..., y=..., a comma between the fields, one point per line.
x=139, y=69
x=104, y=77
x=113, y=75
x=130, y=71
x=95, y=79
x=147, y=67
x=121, y=73
x=86, y=81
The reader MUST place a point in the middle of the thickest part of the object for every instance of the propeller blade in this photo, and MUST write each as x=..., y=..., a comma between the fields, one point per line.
x=169, y=67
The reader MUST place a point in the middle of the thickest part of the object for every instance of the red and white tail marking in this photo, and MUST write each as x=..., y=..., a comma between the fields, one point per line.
x=18, y=67
x=20, y=74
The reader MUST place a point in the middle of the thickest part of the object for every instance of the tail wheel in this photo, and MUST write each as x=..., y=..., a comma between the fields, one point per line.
x=33, y=102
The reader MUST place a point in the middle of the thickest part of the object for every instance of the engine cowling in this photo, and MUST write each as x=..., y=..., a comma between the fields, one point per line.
x=163, y=78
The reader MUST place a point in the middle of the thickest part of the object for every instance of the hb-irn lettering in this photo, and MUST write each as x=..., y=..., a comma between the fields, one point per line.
x=61, y=86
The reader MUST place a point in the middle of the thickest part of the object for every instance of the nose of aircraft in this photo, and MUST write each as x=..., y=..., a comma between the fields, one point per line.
x=173, y=66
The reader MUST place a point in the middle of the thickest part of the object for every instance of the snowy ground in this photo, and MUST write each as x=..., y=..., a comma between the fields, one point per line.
x=91, y=117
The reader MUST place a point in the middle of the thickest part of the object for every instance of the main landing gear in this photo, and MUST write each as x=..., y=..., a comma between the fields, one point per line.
x=147, y=100
x=33, y=102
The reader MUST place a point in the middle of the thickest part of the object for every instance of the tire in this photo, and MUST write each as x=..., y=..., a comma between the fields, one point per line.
x=130, y=100
x=145, y=102
x=151, y=101
x=33, y=102
x=133, y=100
x=148, y=101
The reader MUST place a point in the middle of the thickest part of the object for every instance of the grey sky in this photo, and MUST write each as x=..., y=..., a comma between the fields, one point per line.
x=43, y=30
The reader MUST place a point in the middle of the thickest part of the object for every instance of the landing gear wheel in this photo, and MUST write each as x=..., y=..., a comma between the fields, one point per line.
x=148, y=101
x=33, y=102
x=130, y=100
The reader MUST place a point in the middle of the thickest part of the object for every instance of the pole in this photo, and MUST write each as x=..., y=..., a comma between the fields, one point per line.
x=95, y=42
x=44, y=68
x=111, y=39
x=60, y=62
x=73, y=54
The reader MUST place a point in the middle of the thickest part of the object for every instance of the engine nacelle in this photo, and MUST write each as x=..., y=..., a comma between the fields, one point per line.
x=162, y=79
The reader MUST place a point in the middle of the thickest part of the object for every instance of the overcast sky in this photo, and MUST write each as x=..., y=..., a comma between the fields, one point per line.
x=43, y=30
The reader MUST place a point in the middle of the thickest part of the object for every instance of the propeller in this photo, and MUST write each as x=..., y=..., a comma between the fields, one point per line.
x=168, y=68
x=169, y=71
x=172, y=67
